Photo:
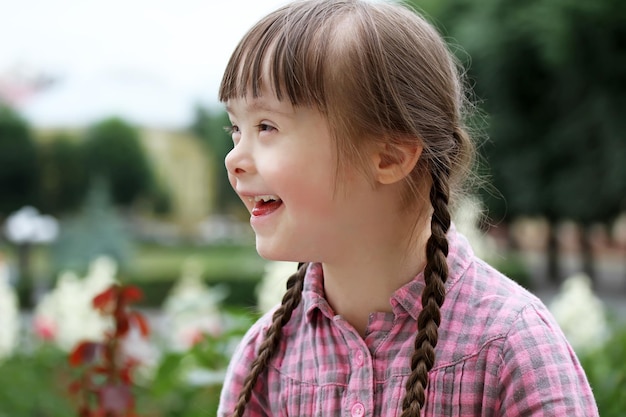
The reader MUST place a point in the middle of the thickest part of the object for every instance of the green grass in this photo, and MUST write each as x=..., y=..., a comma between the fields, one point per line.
x=218, y=263
x=156, y=268
x=237, y=268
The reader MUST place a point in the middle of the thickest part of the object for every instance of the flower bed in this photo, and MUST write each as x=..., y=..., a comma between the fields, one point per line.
x=182, y=363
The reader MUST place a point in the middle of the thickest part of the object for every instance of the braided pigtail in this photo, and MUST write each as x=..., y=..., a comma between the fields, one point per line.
x=281, y=316
x=435, y=275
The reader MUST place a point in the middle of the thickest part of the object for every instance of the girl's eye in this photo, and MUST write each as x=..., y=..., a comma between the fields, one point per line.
x=231, y=129
x=264, y=127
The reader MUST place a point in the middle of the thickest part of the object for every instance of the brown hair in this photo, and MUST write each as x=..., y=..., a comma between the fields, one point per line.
x=379, y=73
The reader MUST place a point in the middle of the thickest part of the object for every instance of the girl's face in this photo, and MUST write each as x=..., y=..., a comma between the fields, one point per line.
x=283, y=167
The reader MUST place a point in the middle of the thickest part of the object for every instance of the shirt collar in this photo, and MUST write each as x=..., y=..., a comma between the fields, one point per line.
x=406, y=299
x=313, y=294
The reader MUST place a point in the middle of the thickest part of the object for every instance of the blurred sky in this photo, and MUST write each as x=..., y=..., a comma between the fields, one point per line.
x=148, y=60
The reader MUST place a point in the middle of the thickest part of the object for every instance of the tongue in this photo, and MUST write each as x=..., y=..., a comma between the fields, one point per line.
x=262, y=208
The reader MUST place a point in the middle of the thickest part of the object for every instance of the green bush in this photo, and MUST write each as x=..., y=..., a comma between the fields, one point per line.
x=606, y=370
x=513, y=267
x=212, y=353
x=35, y=384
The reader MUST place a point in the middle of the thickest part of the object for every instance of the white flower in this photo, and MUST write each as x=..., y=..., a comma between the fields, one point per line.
x=9, y=314
x=147, y=354
x=272, y=287
x=66, y=314
x=191, y=309
x=580, y=314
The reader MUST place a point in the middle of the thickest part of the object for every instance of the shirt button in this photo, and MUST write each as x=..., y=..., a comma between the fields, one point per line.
x=359, y=358
x=358, y=410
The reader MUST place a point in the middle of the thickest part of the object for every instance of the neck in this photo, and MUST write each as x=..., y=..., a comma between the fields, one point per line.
x=364, y=279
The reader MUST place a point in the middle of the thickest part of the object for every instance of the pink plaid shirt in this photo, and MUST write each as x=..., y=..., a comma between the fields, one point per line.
x=500, y=353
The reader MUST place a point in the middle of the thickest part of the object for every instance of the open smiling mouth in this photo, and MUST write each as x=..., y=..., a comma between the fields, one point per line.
x=266, y=204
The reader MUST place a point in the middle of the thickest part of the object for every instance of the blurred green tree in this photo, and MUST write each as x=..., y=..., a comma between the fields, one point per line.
x=113, y=152
x=552, y=77
x=18, y=163
x=586, y=45
x=209, y=127
x=63, y=174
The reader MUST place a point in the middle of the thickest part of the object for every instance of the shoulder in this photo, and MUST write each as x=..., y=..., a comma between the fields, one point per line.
x=486, y=303
x=478, y=295
x=534, y=364
x=484, y=308
x=539, y=370
x=535, y=370
x=249, y=345
x=240, y=364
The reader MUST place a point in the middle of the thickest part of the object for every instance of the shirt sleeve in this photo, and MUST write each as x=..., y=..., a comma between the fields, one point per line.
x=540, y=373
x=238, y=370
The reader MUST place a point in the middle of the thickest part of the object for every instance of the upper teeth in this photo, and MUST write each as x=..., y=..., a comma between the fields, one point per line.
x=265, y=198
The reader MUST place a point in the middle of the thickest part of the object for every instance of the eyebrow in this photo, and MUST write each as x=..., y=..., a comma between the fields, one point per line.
x=261, y=105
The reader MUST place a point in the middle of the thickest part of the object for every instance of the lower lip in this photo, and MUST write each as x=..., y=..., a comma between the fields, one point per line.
x=260, y=214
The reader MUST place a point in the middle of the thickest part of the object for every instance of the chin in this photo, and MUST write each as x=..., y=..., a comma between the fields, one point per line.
x=272, y=255
x=275, y=253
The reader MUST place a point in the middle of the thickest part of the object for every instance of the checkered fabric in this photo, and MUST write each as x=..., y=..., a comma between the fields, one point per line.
x=500, y=353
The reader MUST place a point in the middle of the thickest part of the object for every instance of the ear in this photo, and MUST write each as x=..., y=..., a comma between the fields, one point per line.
x=392, y=163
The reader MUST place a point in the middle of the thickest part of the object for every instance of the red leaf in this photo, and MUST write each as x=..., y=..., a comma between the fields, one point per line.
x=75, y=387
x=116, y=398
x=109, y=354
x=122, y=325
x=106, y=300
x=84, y=412
x=142, y=323
x=126, y=375
x=131, y=294
x=101, y=370
x=84, y=352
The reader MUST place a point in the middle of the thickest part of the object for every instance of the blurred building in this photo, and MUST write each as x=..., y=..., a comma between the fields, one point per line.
x=161, y=112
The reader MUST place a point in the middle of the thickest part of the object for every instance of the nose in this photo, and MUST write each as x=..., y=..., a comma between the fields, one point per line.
x=239, y=160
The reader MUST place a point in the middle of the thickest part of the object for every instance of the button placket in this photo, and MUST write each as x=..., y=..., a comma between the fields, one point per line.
x=358, y=410
x=360, y=386
x=359, y=358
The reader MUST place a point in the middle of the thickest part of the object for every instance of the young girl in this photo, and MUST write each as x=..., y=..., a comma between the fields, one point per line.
x=349, y=147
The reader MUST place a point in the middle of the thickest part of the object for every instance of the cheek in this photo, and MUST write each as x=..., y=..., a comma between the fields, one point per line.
x=232, y=180
x=312, y=194
x=306, y=174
